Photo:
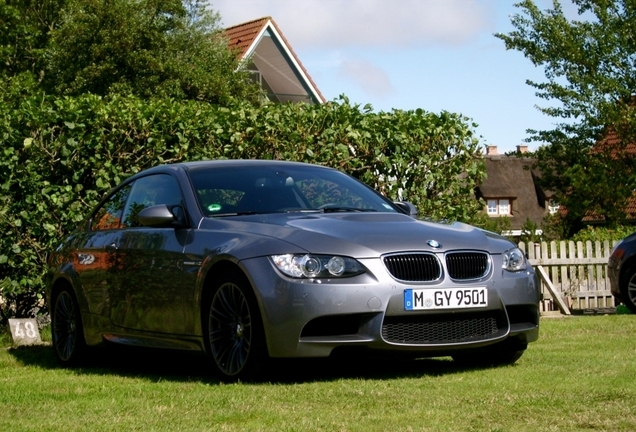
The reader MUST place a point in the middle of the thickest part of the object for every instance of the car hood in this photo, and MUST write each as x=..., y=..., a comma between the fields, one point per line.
x=361, y=234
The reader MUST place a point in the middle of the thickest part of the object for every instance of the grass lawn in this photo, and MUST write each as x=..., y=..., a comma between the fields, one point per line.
x=580, y=375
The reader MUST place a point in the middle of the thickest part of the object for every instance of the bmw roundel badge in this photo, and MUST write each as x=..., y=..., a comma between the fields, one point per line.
x=434, y=244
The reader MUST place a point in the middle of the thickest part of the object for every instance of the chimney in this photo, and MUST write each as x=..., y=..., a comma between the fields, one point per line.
x=522, y=148
x=491, y=150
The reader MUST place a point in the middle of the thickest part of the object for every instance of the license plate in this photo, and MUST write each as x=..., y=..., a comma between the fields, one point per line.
x=445, y=298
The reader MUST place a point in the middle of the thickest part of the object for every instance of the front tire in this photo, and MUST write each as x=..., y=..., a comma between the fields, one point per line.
x=235, y=337
x=628, y=288
x=67, y=331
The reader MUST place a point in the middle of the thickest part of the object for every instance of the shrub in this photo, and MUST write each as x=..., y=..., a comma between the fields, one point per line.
x=601, y=234
x=61, y=155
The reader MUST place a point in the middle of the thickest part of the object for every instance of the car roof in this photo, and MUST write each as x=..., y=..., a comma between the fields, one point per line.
x=240, y=162
x=193, y=166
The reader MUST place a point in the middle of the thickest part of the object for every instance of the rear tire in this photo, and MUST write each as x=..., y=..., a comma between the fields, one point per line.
x=234, y=332
x=628, y=288
x=67, y=331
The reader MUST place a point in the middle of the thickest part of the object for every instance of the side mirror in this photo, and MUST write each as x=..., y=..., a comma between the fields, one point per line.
x=160, y=216
x=406, y=207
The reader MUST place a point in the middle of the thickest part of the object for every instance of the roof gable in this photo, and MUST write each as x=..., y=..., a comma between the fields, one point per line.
x=242, y=36
x=285, y=78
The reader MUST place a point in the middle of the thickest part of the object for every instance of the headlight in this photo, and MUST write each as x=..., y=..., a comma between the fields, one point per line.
x=317, y=266
x=514, y=260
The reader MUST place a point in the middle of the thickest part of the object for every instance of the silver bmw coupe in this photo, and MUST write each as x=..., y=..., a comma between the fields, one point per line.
x=249, y=260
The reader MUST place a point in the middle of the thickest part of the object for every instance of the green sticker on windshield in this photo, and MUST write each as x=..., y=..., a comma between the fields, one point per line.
x=214, y=207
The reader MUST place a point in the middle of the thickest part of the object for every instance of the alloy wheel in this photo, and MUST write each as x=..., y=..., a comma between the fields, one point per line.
x=631, y=290
x=230, y=327
x=65, y=326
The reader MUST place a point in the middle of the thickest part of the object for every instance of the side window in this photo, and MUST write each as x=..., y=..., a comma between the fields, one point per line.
x=149, y=191
x=108, y=216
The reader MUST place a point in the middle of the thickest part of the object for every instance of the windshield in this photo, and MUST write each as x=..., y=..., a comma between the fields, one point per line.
x=257, y=189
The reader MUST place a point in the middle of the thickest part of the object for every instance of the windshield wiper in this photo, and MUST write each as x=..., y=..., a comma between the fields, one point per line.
x=306, y=210
x=335, y=209
x=243, y=213
x=251, y=212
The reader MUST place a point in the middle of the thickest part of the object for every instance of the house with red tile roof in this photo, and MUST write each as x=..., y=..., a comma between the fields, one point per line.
x=613, y=146
x=274, y=64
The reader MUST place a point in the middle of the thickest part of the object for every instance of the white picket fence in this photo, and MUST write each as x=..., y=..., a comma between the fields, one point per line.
x=573, y=275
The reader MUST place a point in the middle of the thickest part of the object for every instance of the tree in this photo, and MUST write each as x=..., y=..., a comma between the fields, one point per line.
x=148, y=48
x=164, y=48
x=590, y=69
x=24, y=34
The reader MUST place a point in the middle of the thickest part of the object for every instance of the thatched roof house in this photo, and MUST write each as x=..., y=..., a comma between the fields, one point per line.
x=511, y=190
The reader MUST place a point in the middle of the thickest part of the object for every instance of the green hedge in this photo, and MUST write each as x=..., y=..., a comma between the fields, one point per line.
x=61, y=155
x=601, y=233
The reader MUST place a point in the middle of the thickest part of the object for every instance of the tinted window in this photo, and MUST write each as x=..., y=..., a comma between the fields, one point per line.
x=321, y=193
x=149, y=191
x=262, y=189
x=108, y=216
x=215, y=200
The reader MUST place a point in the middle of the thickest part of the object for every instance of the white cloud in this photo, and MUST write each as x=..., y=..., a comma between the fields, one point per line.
x=366, y=23
x=372, y=79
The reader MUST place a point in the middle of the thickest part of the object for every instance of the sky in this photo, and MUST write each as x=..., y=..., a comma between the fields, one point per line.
x=437, y=55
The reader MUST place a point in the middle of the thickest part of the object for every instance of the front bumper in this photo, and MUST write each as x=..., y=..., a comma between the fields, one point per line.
x=311, y=318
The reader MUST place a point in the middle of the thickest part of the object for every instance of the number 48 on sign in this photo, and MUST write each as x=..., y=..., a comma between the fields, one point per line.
x=24, y=331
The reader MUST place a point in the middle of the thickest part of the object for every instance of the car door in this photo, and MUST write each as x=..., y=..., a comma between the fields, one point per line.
x=95, y=258
x=149, y=294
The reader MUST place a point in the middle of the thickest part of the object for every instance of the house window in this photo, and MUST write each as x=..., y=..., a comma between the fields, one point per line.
x=256, y=76
x=492, y=206
x=553, y=206
x=504, y=207
x=499, y=207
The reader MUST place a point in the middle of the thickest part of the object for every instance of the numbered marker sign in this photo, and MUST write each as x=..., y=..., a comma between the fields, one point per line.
x=25, y=331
